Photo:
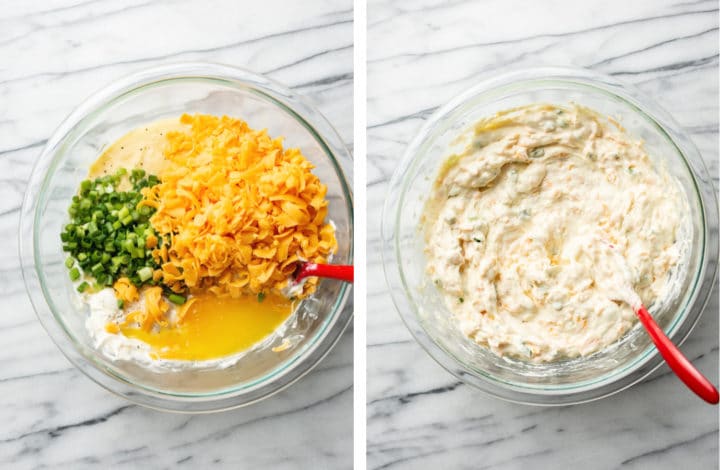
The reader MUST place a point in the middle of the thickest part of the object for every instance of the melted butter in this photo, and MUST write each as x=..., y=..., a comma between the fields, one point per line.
x=216, y=327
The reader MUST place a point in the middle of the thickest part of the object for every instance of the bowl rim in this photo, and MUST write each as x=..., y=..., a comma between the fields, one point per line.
x=100, y=370
x=500, y=85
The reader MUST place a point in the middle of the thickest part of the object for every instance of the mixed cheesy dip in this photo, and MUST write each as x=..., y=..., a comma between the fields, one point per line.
x=527, y=228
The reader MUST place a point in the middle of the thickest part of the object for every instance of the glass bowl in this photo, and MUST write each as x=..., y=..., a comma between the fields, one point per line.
x=608, y=371
x=158, y=93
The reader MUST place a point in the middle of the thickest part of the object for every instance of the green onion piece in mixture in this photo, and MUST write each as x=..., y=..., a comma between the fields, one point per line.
x=177, y=299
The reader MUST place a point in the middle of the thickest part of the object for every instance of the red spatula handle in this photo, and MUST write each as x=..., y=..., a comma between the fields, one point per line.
x=677, y=361
x=332, y=271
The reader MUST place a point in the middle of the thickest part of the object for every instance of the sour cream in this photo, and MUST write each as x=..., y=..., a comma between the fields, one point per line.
x=103, y=310
x=519, y=227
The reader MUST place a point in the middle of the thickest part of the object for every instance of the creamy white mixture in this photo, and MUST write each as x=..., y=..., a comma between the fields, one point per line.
x=547, y=227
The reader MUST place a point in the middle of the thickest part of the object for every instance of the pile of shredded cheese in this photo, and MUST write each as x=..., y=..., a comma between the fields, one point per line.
x=238, y=209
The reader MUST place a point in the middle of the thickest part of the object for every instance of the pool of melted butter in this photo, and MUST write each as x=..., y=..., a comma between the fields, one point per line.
x=215, y=327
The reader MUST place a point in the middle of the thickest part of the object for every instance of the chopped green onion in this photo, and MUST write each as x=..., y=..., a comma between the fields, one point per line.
x=537, y=152
x=107, y=232
x=145, y=273
x=81, y=288
x=177, y=299
x=261, y=297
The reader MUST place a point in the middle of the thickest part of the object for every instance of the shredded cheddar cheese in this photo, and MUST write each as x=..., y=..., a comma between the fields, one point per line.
x=238, y=209
x=125, y=290
x=153, y=313
x=182, y=311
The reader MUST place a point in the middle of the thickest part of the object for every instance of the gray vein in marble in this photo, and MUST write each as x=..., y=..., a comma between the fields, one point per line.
x=545, y=36
x=308, y=58
x=121, y=11
x=178, y=54
x=673, y=66
x=332, y=80
x=653, y=46
x=670, y=447
x=33, y=145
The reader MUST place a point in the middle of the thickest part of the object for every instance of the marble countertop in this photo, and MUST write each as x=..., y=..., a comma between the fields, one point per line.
x=52, y=55
x=420, y=54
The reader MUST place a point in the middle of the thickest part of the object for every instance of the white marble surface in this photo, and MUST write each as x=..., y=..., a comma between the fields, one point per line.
x=52, y=55
x=421, y=53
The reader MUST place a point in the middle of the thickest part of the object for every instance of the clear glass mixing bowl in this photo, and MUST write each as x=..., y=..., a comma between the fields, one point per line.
x=624, y=363
x=144, y=97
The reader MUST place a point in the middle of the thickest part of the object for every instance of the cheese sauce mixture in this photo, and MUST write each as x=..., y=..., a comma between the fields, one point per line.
x=527, y=229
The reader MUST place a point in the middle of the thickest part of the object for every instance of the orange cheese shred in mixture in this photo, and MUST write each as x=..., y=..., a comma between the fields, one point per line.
x=125, y=290
x=238, y=209
x=152, y=314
